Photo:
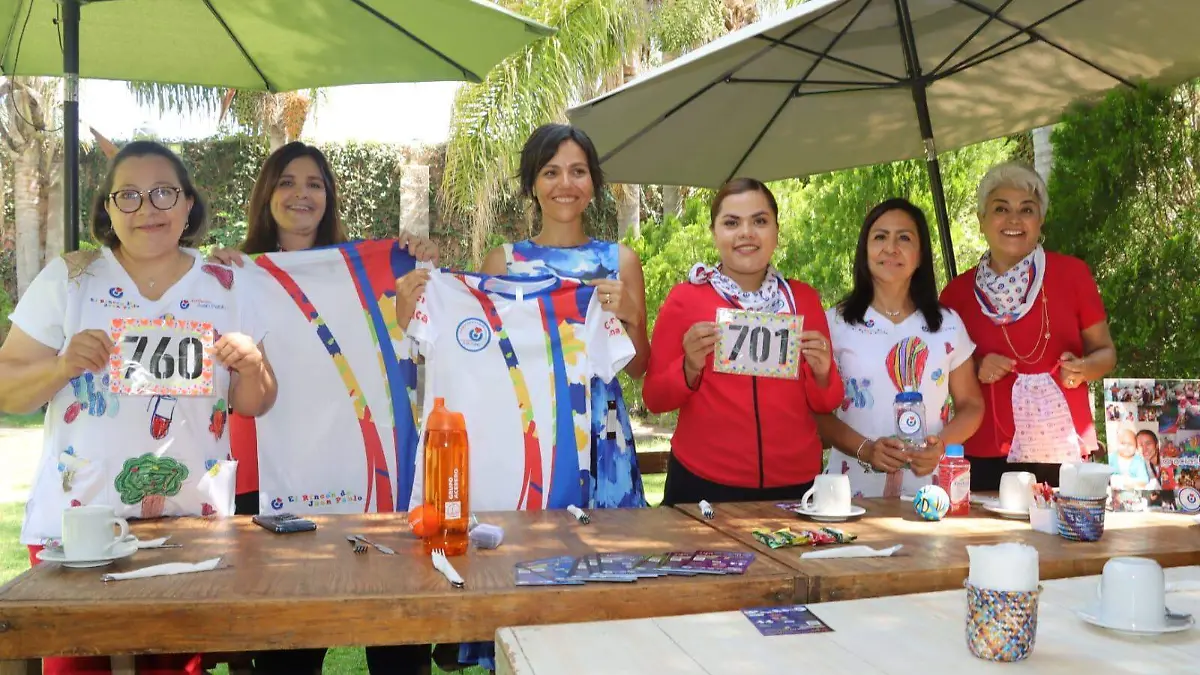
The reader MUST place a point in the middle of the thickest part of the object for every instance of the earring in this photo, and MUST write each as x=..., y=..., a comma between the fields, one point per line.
x=1042, y=239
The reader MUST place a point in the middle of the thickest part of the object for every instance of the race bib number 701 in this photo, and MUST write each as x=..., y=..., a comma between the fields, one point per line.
x=161, y=356
x=758, y=343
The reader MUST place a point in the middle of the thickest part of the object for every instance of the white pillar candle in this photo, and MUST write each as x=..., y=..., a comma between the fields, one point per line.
x=1003, y=567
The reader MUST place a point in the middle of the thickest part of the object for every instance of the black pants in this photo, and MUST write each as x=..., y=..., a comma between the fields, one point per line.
x=384, y=660
x=986, y=472
x=685, y=487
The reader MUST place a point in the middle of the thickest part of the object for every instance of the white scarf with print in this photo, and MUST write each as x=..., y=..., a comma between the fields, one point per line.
x=774, y=296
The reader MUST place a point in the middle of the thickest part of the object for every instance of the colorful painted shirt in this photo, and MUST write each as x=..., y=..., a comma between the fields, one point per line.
x=615, y=474
x=879, y=359
x=146, y=456
x=341, y=436
x=515, y=355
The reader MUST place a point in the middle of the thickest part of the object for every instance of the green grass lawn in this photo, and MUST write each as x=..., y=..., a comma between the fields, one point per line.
x=22, y=421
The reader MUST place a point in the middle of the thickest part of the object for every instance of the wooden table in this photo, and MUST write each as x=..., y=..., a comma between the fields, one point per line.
x=311, y=590
x=934, y=557
x=884, y=636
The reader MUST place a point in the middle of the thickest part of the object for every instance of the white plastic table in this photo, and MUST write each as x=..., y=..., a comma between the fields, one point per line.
x=899, y=635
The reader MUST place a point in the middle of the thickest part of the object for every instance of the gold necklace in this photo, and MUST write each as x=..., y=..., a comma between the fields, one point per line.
x=1043, y=334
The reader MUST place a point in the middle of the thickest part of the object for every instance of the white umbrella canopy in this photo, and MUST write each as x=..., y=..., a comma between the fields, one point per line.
x=833, y=84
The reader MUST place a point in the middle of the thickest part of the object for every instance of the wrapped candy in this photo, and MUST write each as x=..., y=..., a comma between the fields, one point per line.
x=786, y=537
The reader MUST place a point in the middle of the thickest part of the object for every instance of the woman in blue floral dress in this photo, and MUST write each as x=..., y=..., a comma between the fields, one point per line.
x=560, y=172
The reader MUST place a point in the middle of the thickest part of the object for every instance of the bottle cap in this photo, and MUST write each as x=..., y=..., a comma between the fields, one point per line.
x=954, y=450
x=440, y=418
x=909, y=397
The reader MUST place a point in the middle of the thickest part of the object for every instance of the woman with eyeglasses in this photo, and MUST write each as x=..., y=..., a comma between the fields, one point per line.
x=99, y=444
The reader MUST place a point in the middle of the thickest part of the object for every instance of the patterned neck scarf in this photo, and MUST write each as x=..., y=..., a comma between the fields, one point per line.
x=1005, y=298
x=774, y=296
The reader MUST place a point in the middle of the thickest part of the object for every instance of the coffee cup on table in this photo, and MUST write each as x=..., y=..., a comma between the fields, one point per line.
x=829, y=495
x=1016, y=490
x=87, y=532
x=1132, y=594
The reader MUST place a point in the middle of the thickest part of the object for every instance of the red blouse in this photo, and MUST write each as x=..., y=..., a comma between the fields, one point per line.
x=1073, y=305
x=736, y=430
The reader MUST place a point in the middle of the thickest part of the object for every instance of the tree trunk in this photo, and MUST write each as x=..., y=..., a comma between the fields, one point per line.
x=629, y=211
x=26, y=193
x=672, y=198
x=53, y=225
x=1043, y=152
x=276, y=134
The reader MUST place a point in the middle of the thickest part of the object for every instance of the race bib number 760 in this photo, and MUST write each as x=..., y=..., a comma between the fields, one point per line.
x=161, y=357
x=758, y=343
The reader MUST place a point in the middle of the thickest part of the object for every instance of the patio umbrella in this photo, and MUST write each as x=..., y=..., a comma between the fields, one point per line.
x=266, y=45
x=833, y=84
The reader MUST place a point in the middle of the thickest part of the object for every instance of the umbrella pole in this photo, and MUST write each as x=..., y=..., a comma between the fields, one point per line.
x=939, y=206
x=912, y=64
x=70, y=28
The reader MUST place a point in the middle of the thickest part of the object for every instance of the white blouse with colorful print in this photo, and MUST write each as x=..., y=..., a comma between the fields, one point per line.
x=877, y=359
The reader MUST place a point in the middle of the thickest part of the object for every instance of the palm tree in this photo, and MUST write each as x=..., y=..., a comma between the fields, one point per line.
x=30, y=122
x=492, y=119
x=279, y=117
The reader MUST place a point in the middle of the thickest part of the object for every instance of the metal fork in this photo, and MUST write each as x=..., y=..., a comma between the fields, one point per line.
x=441, y=564
x=359, y=547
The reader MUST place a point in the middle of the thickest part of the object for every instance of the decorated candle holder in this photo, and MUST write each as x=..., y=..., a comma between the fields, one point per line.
x=1080, y=519
x=1001, y=625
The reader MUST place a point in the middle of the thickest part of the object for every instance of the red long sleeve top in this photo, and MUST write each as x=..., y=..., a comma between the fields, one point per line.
x=738, y=430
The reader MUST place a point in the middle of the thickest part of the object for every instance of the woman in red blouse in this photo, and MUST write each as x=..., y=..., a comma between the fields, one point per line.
x=1041, y=336
x=739, y=437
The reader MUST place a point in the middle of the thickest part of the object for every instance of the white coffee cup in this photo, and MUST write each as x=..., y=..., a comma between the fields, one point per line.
x=830, y=494
x=1016, y=490
x=87, y=532
x=1133, y=594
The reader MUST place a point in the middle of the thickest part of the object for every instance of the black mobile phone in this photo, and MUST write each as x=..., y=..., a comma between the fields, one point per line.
x=284, y=523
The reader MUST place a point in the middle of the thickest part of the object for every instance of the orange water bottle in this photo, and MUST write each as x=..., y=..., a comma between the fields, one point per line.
x=446, y=480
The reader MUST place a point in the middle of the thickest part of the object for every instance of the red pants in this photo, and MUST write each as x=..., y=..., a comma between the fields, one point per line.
x=157, y=664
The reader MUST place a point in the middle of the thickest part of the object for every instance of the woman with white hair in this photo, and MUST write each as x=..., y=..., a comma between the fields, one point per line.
x=1041, y=335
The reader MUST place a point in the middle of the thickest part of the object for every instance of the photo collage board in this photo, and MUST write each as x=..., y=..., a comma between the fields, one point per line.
x=1152, y=432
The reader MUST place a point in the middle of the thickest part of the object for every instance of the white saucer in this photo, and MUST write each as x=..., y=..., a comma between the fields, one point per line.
x=120, y=550
x=1175, y=623
x=1014, y=514
x=855, y=511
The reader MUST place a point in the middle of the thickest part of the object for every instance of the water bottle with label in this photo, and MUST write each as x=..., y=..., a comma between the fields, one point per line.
x=910, y=419
x=447, y=487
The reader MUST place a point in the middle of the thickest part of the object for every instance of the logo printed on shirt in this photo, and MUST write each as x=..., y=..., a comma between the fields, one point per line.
x=200, y=303
x=116, y=292
x=473, y=334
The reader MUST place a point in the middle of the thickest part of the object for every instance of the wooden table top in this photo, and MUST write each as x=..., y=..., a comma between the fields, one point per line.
x=311, y=590
x=934, y=556
x=882, y=636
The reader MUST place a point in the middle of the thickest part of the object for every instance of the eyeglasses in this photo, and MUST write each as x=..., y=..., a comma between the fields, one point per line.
x=162, y=198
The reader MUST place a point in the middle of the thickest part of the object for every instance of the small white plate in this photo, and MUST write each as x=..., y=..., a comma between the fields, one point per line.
x=1175, y=623
x=855, y=511
x=1013, y=514
x=120, y=550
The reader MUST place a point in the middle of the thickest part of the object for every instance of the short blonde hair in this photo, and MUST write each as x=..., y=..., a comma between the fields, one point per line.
x=1017, y=175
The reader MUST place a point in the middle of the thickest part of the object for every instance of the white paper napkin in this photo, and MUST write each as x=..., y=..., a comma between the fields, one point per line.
x=152, y=543
x=165, y=569
x=852, y=552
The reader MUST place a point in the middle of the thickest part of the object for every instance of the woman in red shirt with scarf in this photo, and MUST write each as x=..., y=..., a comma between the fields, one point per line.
x=739, y=437
x=1041, y=334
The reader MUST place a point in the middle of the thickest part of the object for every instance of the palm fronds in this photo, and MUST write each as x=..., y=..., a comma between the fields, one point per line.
x=492, y=119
